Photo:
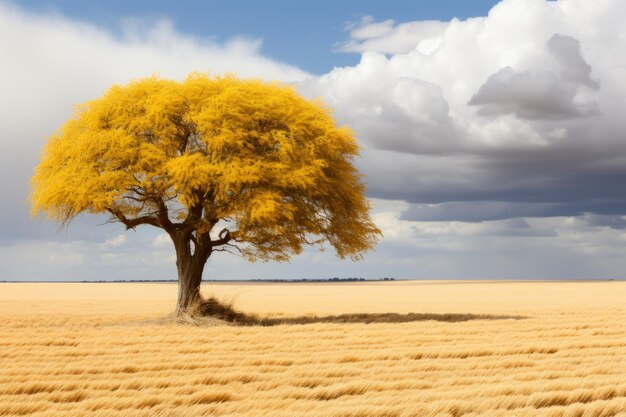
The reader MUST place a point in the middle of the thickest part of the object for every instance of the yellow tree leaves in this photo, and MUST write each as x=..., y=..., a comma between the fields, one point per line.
x=186, y=155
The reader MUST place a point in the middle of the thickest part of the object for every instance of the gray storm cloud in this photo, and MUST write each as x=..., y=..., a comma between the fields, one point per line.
x=542, y=94
x=519, y=113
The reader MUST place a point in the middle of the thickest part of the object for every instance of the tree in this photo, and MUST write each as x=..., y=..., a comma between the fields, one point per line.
x=220, y=164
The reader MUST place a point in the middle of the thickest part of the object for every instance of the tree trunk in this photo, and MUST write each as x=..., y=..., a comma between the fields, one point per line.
x=190, y=268
x=188, y=290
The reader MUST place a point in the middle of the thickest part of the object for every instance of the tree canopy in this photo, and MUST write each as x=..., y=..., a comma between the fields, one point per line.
x=270, y=167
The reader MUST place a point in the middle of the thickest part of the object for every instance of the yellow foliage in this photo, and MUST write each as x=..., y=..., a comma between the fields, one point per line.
x=256, y=154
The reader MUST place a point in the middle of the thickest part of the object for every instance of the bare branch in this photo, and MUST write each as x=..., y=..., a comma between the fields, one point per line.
x=162, y=213
x=139, y=200
x=137, y=221
x=224, y=237
x=225, y=248
x=231, y=245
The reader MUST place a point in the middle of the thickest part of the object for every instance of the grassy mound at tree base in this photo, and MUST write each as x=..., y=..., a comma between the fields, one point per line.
x=215, y=312
x=214, y=308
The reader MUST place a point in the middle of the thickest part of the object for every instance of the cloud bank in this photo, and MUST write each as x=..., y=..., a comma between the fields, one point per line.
x=493, y=147
x=518, y=113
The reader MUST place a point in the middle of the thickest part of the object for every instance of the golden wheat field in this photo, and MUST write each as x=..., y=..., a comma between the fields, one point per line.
x=481, y=348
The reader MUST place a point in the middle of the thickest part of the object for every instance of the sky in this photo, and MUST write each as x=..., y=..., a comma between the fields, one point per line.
x=298, y=32
x=492, y=133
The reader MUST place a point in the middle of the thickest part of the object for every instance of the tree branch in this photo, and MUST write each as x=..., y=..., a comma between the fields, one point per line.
x=224, y=237
x=194, y=216
x=193, y=239
x=198, y=214
x=225, y=249
x=137, y=221
x=163, y=214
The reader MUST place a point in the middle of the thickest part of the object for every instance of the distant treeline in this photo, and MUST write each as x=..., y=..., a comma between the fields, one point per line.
x=323, y=280
x=335, y=279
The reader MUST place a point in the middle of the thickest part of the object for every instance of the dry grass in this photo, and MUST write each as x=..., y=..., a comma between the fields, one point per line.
x=467, y=349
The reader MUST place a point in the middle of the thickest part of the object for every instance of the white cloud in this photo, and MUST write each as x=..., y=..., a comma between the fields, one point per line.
x=118, y=240
x=163, y=240
x=387, y=38
x=118, y=257
x=388, y=110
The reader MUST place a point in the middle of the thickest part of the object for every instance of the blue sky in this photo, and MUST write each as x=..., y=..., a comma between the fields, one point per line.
x=492, y=133
x=301, y=33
